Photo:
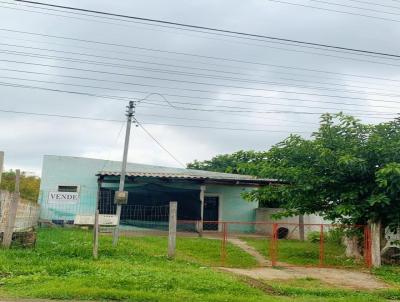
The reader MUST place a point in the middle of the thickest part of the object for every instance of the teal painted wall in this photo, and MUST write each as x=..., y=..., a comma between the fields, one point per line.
x=233, y=207
x=63, y=170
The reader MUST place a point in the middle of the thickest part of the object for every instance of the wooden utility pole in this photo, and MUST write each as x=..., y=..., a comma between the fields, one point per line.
x=173, y=207
x=12, y=213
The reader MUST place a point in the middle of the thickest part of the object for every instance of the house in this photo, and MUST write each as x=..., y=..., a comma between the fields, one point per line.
x=76, y=186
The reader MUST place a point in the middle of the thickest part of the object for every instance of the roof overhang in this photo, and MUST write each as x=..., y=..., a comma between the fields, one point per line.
x=241, y=180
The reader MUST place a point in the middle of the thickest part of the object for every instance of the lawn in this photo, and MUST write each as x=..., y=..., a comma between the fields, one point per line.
x=61, y=267
x=295, y=252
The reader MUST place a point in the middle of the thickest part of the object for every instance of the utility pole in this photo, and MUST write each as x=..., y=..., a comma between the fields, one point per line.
x=121, y=197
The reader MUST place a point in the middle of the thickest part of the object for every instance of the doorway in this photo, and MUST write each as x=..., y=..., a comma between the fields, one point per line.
x=211, y=212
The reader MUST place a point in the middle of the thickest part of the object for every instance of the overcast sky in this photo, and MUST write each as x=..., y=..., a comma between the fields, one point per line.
x=122, y=66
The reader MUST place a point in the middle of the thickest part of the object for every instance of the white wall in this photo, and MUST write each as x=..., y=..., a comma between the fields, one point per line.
x=291, y=223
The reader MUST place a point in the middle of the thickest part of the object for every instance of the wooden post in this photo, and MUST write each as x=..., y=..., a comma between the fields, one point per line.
x=173, y=206
x=1, y=164
x=376, y=244
x=202, y=193
x=301, y=227
x=274, y=245
x=223, y=243
x=12, y=213
x=321, y=246
x=96, y=235
x=96, y=224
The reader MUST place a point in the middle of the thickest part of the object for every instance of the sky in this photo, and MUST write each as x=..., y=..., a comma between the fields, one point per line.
x=198, y=94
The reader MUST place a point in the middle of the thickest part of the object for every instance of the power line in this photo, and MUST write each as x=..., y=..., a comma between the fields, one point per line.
x=375, y=4
x=195, y=97
x=212, y=29
x=252, y=44
x=356, y=7
x=113, y=89
x=200, y=83
x=334, y=10
x=144, y=123
x=195, y=55
x=206, y=98
x=184, y=108
x=159, y=144
x=183, y=72
x=179, y=73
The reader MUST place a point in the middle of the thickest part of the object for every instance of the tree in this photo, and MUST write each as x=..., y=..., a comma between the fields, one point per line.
x=29, y=185
x=228, y=163
x=347, y=172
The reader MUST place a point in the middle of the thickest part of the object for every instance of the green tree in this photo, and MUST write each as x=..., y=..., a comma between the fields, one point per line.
x=29, y=185
x=228, y=163
x=348, y=172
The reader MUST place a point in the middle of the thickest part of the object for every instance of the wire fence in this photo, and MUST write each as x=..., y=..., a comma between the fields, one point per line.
x=269, y=243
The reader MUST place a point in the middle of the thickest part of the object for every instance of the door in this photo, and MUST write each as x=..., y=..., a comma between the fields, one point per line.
x=211, y=212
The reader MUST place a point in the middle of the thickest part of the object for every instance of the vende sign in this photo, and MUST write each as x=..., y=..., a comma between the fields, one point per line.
x=63, y=197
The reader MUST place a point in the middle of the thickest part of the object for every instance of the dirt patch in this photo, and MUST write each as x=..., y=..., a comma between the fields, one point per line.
x=337, y=277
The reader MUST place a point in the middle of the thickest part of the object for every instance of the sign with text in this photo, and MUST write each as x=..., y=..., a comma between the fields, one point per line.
x=63, y=197
x=104, y=220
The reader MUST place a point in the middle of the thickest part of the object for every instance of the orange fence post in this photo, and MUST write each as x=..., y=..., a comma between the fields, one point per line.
x=367, y=247
x=223, y=244
x=274, y=244
x=321, y=246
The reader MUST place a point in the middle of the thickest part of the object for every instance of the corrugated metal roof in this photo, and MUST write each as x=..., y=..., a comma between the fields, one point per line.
x=165, y=172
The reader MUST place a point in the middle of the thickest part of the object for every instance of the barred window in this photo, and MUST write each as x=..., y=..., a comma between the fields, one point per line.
x=67, y=189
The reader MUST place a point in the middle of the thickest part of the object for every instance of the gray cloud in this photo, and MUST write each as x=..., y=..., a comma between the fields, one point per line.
x=26, y=139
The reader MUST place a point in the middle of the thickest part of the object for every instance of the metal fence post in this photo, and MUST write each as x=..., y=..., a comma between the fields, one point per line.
x=12, y=213
x=321, y=246
x=223, y=244
x=173, y=206
x=367, y=247
x=274, y=243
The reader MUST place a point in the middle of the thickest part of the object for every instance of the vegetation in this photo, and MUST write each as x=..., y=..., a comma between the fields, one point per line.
x=29, y=185
x=348, y=172
x=295, y=252
x=61, y=267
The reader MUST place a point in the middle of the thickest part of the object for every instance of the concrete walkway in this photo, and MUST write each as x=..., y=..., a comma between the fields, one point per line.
x=251, y=251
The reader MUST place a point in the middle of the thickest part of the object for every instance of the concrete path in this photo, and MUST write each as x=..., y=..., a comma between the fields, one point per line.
x=336, y=277
x=251, y=251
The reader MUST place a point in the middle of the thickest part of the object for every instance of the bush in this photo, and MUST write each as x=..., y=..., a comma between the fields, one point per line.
x=334, y=236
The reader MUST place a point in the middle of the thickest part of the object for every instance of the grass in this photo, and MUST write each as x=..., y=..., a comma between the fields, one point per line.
x=61, y=267
x=297, y=252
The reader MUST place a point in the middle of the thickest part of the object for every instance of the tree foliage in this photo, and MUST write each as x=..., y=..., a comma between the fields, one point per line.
x=348, y=172
x=228, y=163
x=29, y=185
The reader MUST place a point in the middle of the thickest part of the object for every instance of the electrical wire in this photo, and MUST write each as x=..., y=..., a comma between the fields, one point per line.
x=211, y=29
x=159, y=143
x=180, y=66
x=334, y=10
x=198, y=83
x=195, y=55
x=120, y=90
x=197, y=97
x=191, y=74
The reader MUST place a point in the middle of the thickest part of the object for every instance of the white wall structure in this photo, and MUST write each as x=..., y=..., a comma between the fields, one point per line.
x=291, y=223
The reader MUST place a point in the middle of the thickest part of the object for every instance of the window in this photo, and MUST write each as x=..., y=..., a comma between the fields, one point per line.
x=67, y=189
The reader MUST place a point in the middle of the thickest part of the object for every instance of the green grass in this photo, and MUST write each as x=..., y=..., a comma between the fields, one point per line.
x=297, y=252
x=61, y=267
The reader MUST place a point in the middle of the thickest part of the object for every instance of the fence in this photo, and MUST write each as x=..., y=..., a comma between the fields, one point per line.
x=18, y=218
x=272, y=244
